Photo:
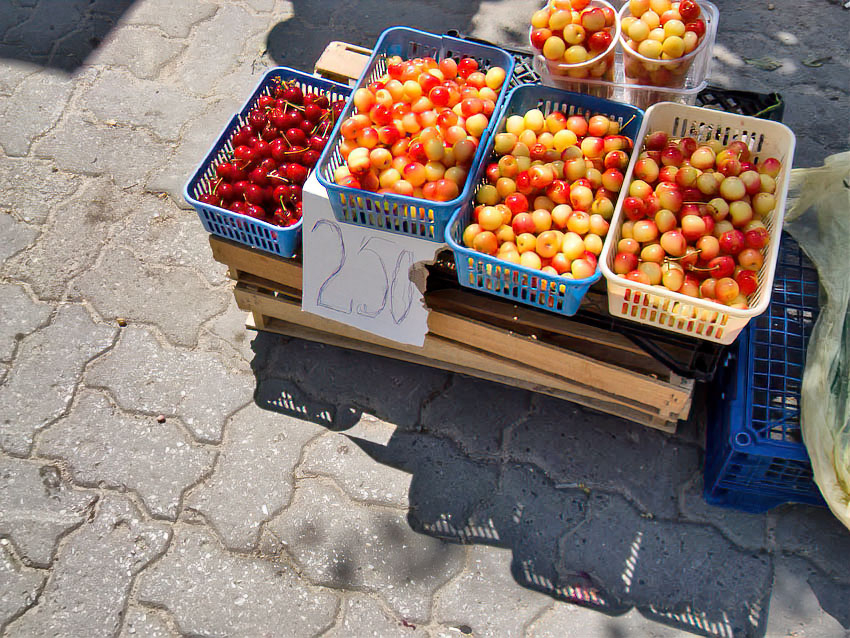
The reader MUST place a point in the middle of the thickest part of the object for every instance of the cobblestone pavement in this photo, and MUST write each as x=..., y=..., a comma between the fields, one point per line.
x=153, y=484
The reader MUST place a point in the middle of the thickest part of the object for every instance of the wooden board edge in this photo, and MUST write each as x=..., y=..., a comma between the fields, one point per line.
x=280, y=326
x=446, y=351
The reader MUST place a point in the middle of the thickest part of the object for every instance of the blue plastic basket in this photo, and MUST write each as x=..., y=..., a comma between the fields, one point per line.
x=283, y=241
x=512, y=281
x=397, y=213
x=755, y=458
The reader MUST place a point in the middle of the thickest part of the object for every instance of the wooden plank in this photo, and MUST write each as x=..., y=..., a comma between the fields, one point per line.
x=563, y=332
x=256, y=262
x=563, y=363
x=446, y=351
x=301, y=331
x=342, y=62
x=253, y=268
x=461, y=302
x=664, y=401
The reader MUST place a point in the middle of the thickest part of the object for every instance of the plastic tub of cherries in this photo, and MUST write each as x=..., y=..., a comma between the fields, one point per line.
x=576, y=42
x=693, y=243
x=248, y=186
x=667, y=57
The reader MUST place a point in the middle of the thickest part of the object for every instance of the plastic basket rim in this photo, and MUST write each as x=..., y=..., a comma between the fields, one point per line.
x=778, y=212
x=197, y=174
x=503, y=113
x=540, y=67
x=403, y=200
x=470, y=253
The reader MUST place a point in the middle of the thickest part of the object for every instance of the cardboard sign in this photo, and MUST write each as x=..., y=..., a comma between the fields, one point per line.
x=361, y=276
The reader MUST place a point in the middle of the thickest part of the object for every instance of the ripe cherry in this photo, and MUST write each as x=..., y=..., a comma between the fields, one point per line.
x=254, y=194
x=313, y=112
x=255, y=211
x=245, y=153
x=296, y=173
x=257, y=120
x=317, y=142
x=242, y=136
x=310, y=157
x=292, y=94
x=225, y=170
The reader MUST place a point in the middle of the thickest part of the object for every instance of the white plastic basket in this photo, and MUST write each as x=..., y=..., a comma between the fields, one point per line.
x=676, y=312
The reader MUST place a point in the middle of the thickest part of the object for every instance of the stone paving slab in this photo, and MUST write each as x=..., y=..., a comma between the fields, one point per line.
x=174, y=24
x=16, y=235
x=142, y=51
x=30, y=188
x=71, y=239
x=106, y=447
x=152, y=295
x=19, y=316
x=20, y=587
x=344, y=545
x=87, y=589
x=142, y=622
x=209, y=591
x=118, y=96
x=469, y=600
x=235, y=501
x=58, y=353
x=303, y=490
x=456, y=413
x=567, y=441
x=145, y=376
x=78, y=146
x=31, y=110
x=37, y=507
x=364, y=616
x=340, y=457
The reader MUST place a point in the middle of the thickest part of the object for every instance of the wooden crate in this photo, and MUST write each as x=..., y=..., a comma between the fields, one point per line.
x=478, y=335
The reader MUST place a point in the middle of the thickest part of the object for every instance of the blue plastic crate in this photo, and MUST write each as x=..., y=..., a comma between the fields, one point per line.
x=396, y=213
x=755, y=458
x=283, y=241
x=513, y=281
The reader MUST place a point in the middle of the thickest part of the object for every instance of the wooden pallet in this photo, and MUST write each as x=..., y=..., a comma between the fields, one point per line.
x=481, y=336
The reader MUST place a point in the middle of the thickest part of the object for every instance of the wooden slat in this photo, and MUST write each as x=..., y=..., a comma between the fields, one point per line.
x=468, y=331
x=251, y=264
x=443, y=350
x=301, y=331
x=563, y=363
x=463, y=303
x=256, y=262
x=342, y=62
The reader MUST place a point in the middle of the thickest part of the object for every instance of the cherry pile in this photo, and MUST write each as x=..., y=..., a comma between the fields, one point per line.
x=273, y=153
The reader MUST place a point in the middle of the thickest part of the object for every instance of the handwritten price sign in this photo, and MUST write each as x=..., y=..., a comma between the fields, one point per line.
x=359, y=276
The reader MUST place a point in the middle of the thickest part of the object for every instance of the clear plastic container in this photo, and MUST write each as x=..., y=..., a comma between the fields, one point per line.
x=673, y=73
x=643, y=96
x=601, y=67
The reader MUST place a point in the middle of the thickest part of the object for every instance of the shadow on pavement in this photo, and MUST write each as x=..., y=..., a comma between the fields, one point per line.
x=57, y=33
x=590, y=505
x=315, y=24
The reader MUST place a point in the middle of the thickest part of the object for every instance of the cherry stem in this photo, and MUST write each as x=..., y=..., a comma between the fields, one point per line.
x=696, y=252
x=627, y=122
x=215, y=188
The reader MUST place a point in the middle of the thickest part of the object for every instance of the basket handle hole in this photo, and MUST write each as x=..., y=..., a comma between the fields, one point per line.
x=742, y=438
